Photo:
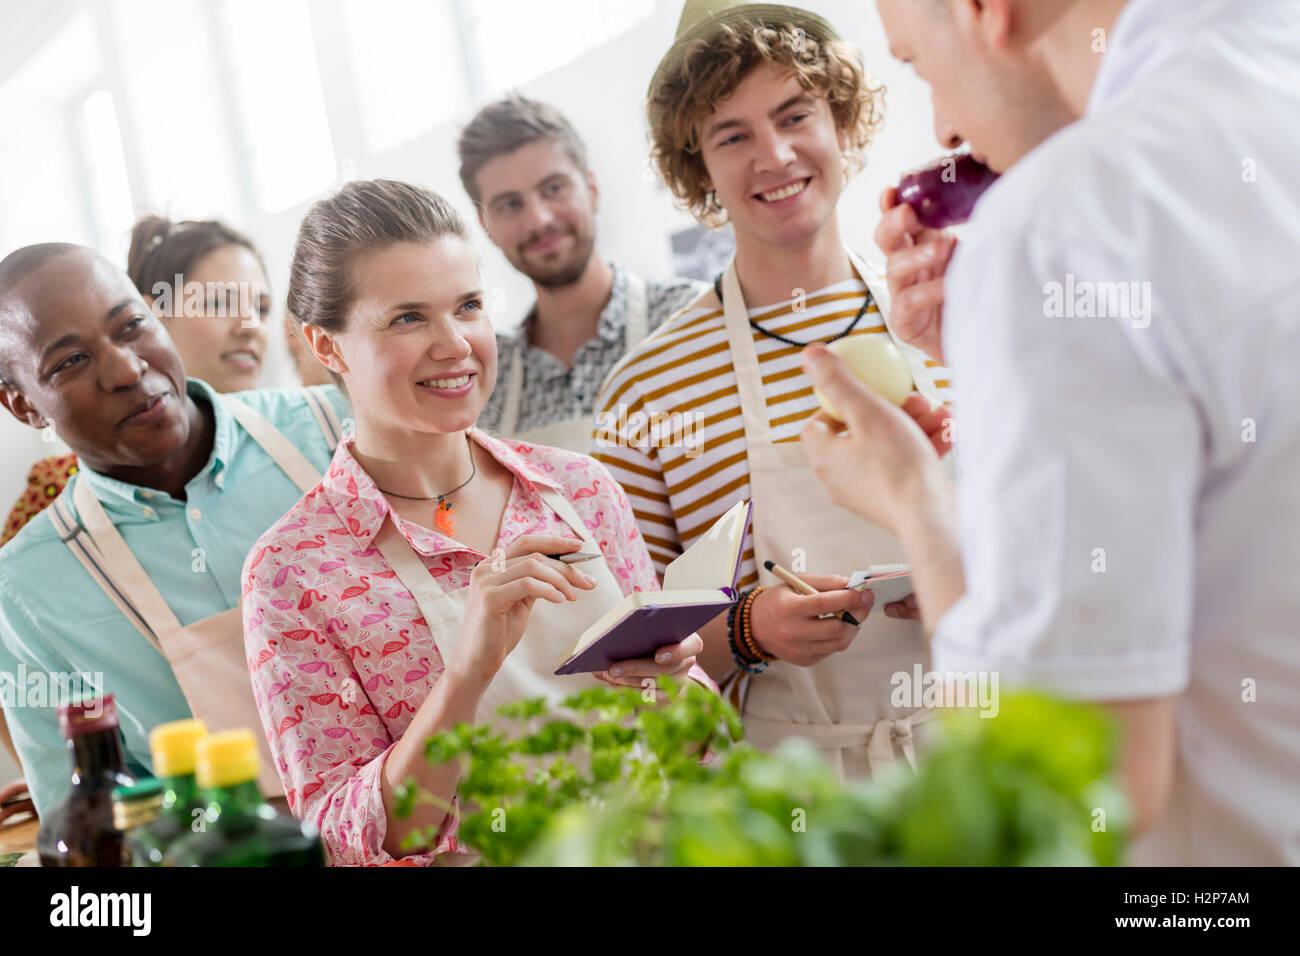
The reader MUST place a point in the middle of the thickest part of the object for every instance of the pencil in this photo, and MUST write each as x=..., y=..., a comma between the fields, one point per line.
x=803, y=587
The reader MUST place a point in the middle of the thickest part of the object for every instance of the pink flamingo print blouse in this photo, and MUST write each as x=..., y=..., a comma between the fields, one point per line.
x=339, y=653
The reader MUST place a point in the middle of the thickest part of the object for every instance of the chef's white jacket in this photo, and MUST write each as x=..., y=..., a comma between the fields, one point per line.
x=1123, y=316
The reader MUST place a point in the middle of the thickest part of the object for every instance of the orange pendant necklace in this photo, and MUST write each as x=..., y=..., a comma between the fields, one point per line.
x=442, y=519
x=442, y=515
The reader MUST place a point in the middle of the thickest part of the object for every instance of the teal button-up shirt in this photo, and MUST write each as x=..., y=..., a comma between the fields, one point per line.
x=55, y=620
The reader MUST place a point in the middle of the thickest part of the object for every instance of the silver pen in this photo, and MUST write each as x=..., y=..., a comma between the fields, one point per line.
x=575, y=557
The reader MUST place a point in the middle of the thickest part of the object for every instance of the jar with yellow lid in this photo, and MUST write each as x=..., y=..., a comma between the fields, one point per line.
x=239, y=828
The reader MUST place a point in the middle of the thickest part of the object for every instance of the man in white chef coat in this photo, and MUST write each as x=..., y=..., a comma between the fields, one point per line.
x=1124, y=316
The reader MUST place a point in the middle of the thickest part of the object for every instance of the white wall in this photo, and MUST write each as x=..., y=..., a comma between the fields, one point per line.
x=602, y=91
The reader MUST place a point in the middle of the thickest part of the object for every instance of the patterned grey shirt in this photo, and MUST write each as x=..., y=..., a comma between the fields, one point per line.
x=552, y=392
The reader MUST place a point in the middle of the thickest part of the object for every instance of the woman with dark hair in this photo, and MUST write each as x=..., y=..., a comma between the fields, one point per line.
x=207, y=284
x=416, y=586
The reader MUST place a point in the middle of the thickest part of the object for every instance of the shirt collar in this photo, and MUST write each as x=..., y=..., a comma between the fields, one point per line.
x=133, y=498
x=362, y=506
x=1145, y=35
x=612, y=318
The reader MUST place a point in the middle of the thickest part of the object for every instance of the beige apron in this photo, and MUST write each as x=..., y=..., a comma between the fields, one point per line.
x=841, y=704
x=571, y=433
x=552, y=629
x=206, y=656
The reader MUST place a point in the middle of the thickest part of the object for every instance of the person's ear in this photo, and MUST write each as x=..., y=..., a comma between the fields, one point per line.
x=595, y=191
x=21, y=408
x=324, y=346
x=992, y=19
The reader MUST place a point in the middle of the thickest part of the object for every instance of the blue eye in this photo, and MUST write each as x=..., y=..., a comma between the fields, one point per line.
x=405, y=315
x=475, y=305
x=797, y=117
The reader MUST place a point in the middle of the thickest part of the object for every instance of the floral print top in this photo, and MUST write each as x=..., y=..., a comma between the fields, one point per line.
x=340, y=655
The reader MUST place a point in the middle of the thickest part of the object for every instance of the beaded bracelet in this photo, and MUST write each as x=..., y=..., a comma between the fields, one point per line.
x=745, y=662
x=748, y=641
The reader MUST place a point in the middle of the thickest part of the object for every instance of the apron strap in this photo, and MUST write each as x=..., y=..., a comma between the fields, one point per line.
x=85, y=551
x=440, y=611
x=561, y=506
x=291, y=461
x=638, y=312
x=325, y=416
x=132, y=579
x=114, y=567
x=514, y=390
x=744, y=358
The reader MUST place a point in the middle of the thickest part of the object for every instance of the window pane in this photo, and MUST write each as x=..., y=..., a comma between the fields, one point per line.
x=43, y=194
x=185, y=139
x=407, y=65
x=110, y=188
x=279, y=100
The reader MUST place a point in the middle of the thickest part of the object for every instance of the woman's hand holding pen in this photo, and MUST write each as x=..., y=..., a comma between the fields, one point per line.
x=501, y=597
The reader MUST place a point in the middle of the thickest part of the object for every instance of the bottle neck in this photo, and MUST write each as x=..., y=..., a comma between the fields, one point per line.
x=180, y=795
x=239, y=798
x=96, y=758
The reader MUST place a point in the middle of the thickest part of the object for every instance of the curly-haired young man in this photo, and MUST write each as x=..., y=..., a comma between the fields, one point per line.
x=758, y=116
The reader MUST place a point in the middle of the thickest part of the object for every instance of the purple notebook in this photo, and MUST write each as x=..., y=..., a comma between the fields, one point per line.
x=639, y=631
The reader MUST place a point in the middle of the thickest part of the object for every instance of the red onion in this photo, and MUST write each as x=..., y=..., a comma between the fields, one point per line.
x=943, y=194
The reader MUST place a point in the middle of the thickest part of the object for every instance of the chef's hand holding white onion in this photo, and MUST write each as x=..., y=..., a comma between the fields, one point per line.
x=876, y=363
x=886, y=454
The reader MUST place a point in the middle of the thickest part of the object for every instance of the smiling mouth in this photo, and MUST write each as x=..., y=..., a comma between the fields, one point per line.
x=147, y=406
x=242, y=357
x=457, y=382
x=785, y=192
x=546, y=243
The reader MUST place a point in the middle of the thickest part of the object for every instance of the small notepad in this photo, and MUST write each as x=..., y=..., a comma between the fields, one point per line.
x=698, y=586
x=889, y=583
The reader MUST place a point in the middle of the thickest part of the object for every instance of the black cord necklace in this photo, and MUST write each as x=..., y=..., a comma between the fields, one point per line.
x=717, y=287
x=442, y=517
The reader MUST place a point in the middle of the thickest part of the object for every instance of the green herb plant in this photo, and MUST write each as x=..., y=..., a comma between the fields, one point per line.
x=613, y=779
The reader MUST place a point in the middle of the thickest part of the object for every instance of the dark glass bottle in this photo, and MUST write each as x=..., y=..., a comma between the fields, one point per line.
x=79, y=830
x=174, y=747
x=241, y=829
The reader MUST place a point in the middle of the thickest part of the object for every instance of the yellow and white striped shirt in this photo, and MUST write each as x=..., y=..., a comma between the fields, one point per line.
x=668, y=423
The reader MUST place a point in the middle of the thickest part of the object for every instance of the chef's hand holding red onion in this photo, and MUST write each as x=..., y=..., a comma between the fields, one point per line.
x=916, y=258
